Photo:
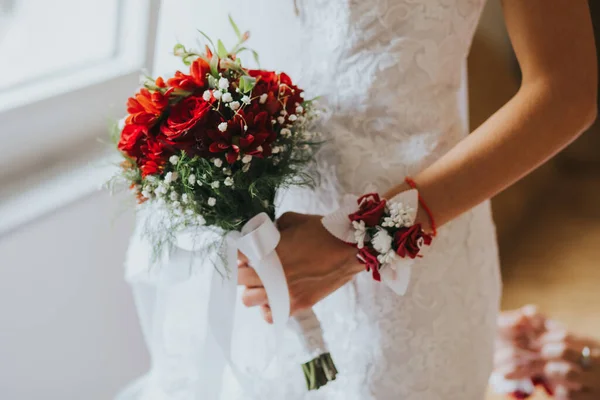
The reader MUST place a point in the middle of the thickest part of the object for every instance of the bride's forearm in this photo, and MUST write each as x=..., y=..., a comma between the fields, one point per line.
x=527, y=131
x=556, y=102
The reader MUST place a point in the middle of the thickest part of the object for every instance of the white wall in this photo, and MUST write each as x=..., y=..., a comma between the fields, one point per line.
x=68, y=330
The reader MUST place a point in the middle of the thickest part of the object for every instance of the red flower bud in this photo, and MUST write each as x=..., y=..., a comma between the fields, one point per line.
x=368, y=256
x=408, y=241
x=371, y=209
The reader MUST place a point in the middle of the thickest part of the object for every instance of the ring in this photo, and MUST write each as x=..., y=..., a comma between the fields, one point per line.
x=586, y=358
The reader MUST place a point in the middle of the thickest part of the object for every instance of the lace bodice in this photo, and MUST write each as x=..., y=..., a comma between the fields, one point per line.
x=389, y=72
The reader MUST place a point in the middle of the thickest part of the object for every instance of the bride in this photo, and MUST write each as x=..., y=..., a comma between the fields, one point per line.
x=390, y=74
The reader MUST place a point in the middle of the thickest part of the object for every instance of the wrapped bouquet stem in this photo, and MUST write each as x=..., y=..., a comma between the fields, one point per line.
x=208, y=149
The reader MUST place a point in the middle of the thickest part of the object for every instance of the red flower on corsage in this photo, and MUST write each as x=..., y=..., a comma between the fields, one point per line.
x=409, y=240
x=370, y=211
x=368, y=256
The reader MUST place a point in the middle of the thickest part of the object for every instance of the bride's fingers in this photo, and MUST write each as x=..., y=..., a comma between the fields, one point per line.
x=248, y=277
x=266, y=313
x=253, y=297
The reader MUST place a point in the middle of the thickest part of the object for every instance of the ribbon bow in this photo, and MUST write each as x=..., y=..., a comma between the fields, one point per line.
x=257, y=240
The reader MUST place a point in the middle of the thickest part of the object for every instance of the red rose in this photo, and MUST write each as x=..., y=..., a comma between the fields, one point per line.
x=184, y=116
x=195, y=81
x=146, y=107
x=131, y=139
x=408, y=241
x=371, y=209
x=368, y=256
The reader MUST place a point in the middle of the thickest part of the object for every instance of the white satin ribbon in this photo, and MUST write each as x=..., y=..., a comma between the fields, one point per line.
x=397, y=274
x=257, y=240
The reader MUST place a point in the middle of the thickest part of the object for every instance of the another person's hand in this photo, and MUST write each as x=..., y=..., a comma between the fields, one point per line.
x=572, y=365
x=314, y=261
x=517, y=350
x=529, y=346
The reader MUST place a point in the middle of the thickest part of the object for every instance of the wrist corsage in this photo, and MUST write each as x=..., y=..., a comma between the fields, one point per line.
x=384, y=232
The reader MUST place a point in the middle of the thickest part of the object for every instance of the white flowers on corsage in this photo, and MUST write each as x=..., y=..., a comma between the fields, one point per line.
x=382, y=243
x=360, y=231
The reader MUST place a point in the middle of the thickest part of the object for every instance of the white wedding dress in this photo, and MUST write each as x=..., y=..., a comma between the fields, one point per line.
x=390, y=72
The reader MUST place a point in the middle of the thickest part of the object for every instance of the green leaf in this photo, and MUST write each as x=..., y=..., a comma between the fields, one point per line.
x=178, y=49
x=235, y=28
x=221, y=50
x=207, y=38
x=256, y=58
x=247, y=83
x=214, y=65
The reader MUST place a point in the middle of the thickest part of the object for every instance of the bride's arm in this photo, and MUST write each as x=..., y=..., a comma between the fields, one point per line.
x=554, y=43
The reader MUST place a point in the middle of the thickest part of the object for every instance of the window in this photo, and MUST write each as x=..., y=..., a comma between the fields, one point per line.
x=66, y=69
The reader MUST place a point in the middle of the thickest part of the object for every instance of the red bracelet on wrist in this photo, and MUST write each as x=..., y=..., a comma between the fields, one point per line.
x=413, y=185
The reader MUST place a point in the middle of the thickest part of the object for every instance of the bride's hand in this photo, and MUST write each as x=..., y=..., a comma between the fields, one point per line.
x=315, y=264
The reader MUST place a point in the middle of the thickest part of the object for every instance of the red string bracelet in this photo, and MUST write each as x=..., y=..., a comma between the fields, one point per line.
x=413, y=185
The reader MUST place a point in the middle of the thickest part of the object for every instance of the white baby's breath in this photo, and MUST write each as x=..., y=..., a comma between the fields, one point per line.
x=206, y=95
x=171, y=177
x=263, y=98
x=218, y=162
x=235, y=105
x=227, y=97
x=223, y=83
x=217, y=94
x=360, y=232
x=247, y=158
x=222, y=126
x=286, y=133
x=192, y=179
x=212, y=201
x=246, y=100
x=382, y=241
x=215, y=184
x=386, y=258
x=228, y=181
x=174, y=159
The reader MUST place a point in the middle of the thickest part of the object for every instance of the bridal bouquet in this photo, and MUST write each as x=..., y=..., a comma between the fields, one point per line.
x=209, y=148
